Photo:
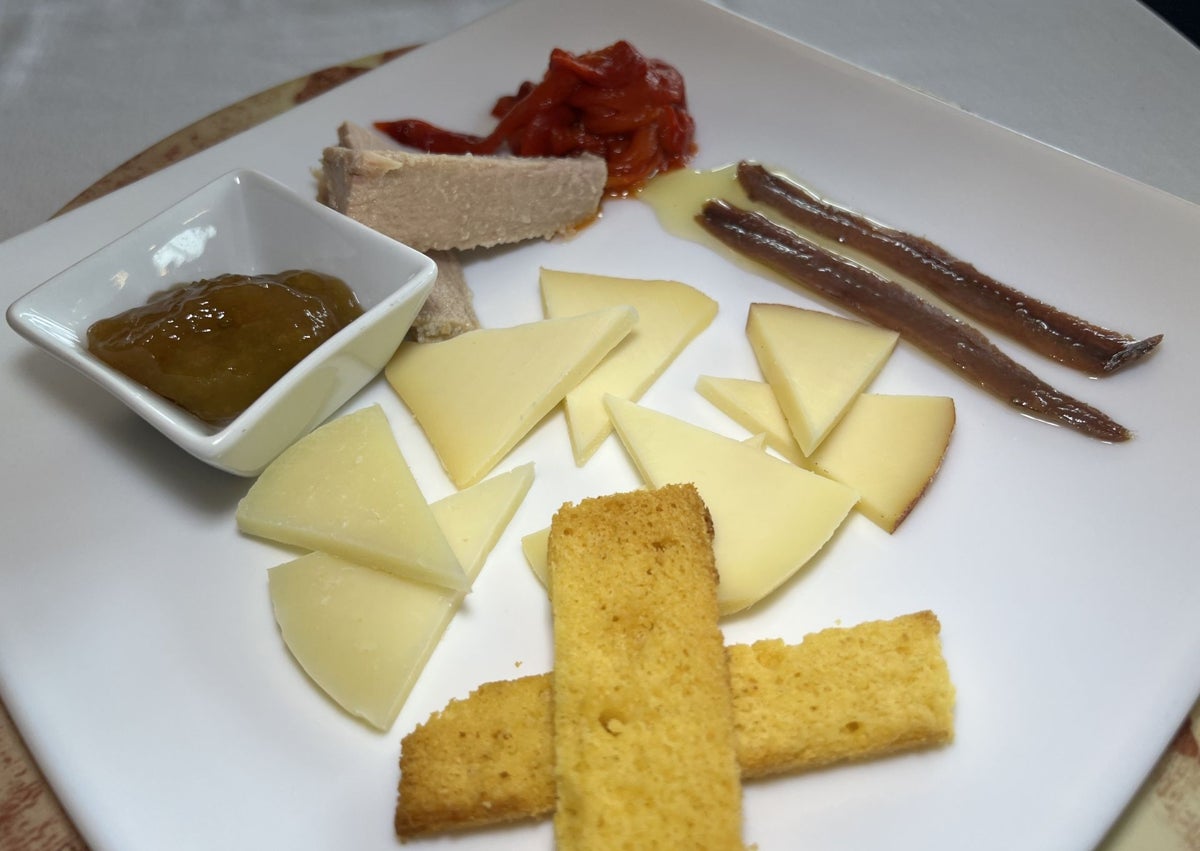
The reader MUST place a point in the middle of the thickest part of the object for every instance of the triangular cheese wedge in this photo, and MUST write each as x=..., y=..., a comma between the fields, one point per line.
x=888, y=448
x=670, y=315
x=770, y=516
x=753, y=406
x=345, y=489
x=816, y=363
x=474, y=518
x=534, y=547
x=478, y=394
x=364, y=636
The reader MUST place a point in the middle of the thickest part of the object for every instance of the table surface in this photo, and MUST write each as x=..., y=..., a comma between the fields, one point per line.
x=1107, y=80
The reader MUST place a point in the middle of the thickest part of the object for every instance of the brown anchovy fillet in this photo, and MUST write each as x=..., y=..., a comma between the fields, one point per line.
x=1043, y=327
x=890, y=305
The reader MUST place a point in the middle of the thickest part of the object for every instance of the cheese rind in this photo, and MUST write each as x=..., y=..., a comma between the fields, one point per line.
x=670, y=315
x=816, y=363
x=363, y=635
x=478, y=394
x=345, y=489
x=770, y=516
x=888, y=448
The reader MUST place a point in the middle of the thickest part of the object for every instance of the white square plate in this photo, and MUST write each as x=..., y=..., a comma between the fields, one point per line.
x=139, y=656
x=241, y=223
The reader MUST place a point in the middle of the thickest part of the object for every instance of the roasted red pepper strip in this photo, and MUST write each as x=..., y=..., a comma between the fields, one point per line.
x=613, y=102
x=426, y=137
x=615, y=65
x=889, y=305
x=546, y=95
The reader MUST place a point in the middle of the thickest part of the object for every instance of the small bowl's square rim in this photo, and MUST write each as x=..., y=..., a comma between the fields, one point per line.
x=29, y=317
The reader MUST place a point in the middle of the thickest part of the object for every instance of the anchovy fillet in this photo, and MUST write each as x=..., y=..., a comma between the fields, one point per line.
x=890, y=305
x=1042, y=327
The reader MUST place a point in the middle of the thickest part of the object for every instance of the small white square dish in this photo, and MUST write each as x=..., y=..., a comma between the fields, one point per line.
x=246, y=224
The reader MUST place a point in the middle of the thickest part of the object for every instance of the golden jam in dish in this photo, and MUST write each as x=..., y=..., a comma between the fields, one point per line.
x=214, y=346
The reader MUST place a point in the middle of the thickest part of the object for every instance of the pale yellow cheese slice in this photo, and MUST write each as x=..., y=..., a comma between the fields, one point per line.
x=770, y=516
x=816, y=363
x=534, y=547
x=888, y=448
x=478, y=394
x=752, y=405
x=474, y=518
x=363, y=635
x=345, y=489
x=670, y=315
x=758, y=441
